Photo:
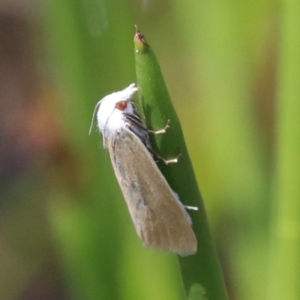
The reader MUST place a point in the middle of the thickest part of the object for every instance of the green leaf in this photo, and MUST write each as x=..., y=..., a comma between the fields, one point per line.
x=284, y=268
x=203, y=268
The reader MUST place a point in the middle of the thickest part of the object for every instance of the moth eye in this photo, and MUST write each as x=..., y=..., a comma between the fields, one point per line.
x=121, y=105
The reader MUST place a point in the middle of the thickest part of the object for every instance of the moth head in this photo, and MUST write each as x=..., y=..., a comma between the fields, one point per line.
x=110, y=115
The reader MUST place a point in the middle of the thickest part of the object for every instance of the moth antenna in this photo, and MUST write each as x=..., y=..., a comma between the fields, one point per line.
x=93, y=118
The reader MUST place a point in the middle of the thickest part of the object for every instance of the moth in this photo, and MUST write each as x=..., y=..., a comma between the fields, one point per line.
x=159, y=218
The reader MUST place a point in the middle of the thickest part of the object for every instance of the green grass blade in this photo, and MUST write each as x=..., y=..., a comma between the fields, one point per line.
x=203, y=268
x=285, y=243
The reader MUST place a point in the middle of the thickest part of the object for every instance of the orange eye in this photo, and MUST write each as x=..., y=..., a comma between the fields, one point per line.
x=121, y=105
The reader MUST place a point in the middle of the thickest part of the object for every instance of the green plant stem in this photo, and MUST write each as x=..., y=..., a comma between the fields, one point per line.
x=202, y=269
x=285, y=242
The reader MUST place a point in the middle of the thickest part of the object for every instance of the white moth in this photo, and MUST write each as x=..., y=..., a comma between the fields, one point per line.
x=159, y=217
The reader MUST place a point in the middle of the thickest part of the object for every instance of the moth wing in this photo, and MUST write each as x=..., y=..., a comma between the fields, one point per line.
x=159, y=218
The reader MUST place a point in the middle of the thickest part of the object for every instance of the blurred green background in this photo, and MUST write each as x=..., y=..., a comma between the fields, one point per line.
x=232, y=69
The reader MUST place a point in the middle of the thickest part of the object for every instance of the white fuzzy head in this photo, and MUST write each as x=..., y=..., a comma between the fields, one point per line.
x=110, y=115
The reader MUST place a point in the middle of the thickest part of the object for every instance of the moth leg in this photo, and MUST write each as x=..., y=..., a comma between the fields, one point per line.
x=164, y=130
x=165, y=161
x=184, y=207
x=190, y=207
